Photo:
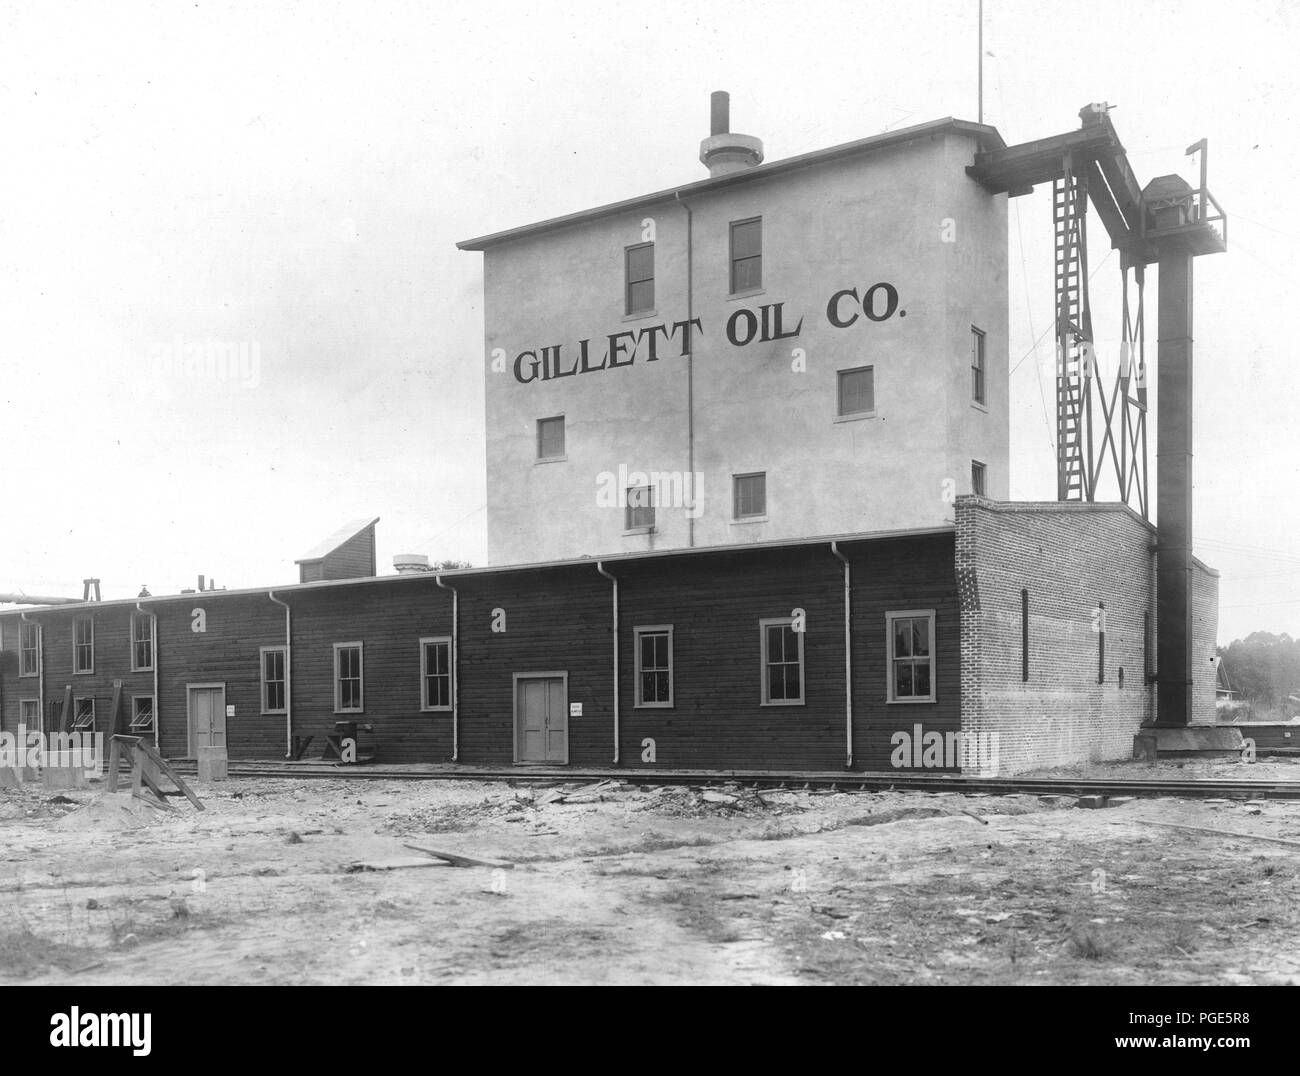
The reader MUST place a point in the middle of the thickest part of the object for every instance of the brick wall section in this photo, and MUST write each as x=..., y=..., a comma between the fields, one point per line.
x=1205, y=636
x=1069, y=557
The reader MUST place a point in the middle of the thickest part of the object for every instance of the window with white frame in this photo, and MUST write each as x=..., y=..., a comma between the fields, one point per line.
x=654, y=665
x=749, y=495
x=640, y=508
x=977, y=475
x=435, y=673
x=29, y=713
x=142, y=713
x=910, y=646
x=347, y=678
x=857, y=391
x=141, y=642
x=782, y=649
x=29, y=649
x=83, y=645
x=83, y=713
x=275, y=684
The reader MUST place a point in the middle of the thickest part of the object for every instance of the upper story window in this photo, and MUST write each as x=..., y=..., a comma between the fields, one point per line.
x=857, y=391
x=29, y=649
x=550, y=438
x=141, y=642
x=640, y=288
x=977, y=365
x=640, y=507
x=977, y=473
x=782, y=662
x=83, y=645
x=347, y=678
x=911, y=655
x=749, y=495
x=746, y=255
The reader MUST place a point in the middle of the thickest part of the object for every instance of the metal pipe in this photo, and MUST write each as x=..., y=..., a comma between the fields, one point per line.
x=455, y=668
x=690, y=371
x=40, y=663
x=600, y=567
x=848, y=656
x=288, y=674
x=153, y=654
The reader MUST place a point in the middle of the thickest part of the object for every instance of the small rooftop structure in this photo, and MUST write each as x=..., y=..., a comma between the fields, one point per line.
x=348, y=553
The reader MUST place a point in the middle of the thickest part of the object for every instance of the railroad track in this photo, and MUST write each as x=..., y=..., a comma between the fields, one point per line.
x=851, y=782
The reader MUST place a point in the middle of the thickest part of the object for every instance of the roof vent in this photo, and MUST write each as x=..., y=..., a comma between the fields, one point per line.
x=723, y=152
x=411, y=563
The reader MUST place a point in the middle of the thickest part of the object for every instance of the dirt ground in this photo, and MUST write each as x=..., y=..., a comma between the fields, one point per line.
x=281, y=881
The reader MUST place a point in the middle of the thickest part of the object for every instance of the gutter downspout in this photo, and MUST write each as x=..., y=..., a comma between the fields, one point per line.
x=288, y=674
x=848, y=657
x=153, y=652
x=690, y=373
x=40, y=664
x=600, y=568
x=455, y=668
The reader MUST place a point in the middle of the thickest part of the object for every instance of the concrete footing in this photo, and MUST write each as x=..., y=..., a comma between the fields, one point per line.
x=63, y=769
x=1189, y=740
x=212, y=763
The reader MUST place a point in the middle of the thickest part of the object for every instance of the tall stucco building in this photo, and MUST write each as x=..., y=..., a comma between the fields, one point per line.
x=812, y=346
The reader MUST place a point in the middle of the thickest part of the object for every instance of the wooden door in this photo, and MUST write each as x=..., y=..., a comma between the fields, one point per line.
x=541, y=718
x=207, y=716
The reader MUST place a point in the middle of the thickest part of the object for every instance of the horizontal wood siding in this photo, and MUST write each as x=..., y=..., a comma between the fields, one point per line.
x=557, y=619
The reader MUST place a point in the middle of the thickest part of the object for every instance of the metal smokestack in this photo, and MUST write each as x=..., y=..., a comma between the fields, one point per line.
x=723, y=152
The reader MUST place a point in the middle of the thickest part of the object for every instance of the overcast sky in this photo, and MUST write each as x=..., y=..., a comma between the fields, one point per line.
x=292, y=179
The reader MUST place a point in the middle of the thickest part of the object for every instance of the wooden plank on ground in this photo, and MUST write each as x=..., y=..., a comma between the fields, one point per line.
x=458, y=859
x=393, y=863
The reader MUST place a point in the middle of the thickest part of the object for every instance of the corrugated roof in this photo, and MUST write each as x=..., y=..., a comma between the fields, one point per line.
x=988, y=136
x=345, y=533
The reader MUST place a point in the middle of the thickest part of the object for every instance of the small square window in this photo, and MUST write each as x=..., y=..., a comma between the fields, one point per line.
x=83, y=714
x=857, y=391
x=550, y=438
x=750, y=495
x=640, y=269
x=746, y=255
x=142, y=713
x=640, y=507
x=977, y=473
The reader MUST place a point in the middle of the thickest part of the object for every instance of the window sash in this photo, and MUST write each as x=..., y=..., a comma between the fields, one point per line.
x=29, y=649
x=746, y=255
x=654, y=666
x=977, y=365
x=857, y=391
x=83, y=645
x=750, y=495
x=274, y=680
x=142, y=712
x=348, y=687
x=435, y=674
x=640, y=274
x=141, y=642
x=83, y=713
x=550, y=438
x=911, y=656
x=783, y=663
x=640, y=507
x=977, y=477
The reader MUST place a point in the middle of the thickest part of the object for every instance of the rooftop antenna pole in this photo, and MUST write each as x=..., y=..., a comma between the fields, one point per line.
x=981, y=60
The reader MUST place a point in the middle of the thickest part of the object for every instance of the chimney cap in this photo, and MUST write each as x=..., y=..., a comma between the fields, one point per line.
x=408, y=563
x=723, y=152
